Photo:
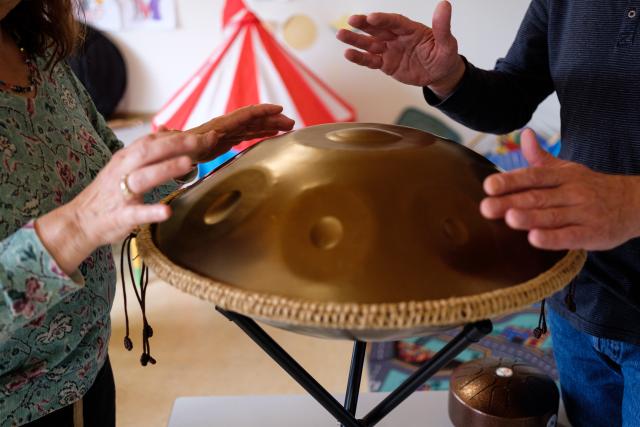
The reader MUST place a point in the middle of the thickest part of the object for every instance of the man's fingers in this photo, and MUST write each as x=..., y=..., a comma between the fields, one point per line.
x=497, y=207
x=147, y=178
x=397, y=24
x=533, y=152
x=571, y=237
x=364, y=58
x=368, y=43
x=523, y=179
x=360, y=22
x=521, y=219
x=441, y=25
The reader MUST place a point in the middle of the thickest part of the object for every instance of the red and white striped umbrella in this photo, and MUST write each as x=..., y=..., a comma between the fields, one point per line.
x=251, y=67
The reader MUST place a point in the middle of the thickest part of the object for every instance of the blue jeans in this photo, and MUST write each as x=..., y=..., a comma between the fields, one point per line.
x=599, y=378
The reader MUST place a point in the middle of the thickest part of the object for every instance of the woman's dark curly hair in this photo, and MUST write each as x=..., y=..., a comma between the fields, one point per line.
x=45, y=26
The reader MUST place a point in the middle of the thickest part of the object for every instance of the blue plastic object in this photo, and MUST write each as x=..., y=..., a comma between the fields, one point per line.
x=515, y=160
x=205, y=169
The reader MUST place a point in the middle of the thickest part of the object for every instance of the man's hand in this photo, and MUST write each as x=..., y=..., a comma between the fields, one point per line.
x=564, y=205
x=410, y=52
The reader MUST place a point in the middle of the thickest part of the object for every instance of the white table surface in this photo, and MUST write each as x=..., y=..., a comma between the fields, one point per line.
x=422, y=409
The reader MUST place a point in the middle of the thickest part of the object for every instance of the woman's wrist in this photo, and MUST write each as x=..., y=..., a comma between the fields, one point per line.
x=61, y=235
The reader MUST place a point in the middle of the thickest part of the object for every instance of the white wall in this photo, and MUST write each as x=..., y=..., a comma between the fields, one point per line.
x=160, y=61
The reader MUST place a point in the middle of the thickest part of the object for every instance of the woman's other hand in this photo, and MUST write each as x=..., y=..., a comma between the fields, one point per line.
x=112, y=205
x=244, y=124
x=408, y=51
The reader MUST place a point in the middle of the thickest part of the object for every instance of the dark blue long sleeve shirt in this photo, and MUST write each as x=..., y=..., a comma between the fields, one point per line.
x=587, y=51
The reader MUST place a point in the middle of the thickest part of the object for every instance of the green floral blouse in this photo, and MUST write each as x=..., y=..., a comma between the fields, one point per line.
x=54, y=329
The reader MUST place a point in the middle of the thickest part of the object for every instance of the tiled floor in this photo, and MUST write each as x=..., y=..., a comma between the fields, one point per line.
x=201, y=353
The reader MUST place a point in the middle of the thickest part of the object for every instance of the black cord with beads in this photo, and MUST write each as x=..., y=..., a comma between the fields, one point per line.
x=542, y=328
x=147, y=331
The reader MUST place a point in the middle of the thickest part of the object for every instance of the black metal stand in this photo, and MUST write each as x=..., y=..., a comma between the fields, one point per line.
x=346, y=414
x=355, y=377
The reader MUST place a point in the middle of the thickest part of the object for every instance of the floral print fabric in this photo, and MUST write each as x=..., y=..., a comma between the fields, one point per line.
x=54, y=329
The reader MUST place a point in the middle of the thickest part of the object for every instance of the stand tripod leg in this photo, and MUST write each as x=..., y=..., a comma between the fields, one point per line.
x=470, y=334
x=346, y=414
x=355, y=377
x=297, y=372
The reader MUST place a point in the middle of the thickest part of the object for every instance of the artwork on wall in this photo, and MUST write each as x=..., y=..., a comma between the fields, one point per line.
x=141, y=14
x=114, y=15
x=342, y=23
x=300, y=32
x=301, y=25
x=103, y=14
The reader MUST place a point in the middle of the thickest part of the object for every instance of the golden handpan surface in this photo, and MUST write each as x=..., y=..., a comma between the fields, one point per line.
x=352, y=230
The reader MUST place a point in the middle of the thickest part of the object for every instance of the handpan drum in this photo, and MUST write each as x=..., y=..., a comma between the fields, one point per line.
x=356, y=231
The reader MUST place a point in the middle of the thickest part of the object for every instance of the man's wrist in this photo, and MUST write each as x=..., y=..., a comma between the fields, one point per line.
x=444, y=87
x=633, y=203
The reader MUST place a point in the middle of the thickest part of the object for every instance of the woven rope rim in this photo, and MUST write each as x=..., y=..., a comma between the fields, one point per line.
x=410, y=314
x=442, y=312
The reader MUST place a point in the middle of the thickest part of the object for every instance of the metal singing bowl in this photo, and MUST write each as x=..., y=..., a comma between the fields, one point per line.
x=362, y=231
x=502, y=393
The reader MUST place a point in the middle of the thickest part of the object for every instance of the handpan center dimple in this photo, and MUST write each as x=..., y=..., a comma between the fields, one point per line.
x=364, y=136
x=327, y=233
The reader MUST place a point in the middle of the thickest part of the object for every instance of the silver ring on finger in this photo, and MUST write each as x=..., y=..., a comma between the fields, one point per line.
x=125, y=189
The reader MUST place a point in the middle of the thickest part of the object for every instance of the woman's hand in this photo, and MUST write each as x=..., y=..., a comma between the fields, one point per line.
x=408, y=51
x=244, y=124
x=562, y=204
x=112, y=205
